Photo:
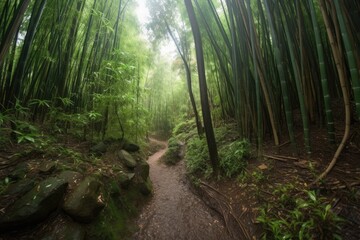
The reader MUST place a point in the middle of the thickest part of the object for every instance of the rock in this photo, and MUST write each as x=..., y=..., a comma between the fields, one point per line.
x=20, y=188
x=34, y=206
x=131, y=147
x=125, y=179
x=142, y=169
x=66, y=231
x=127, y=159
x=99, y=148
x=144, y=186
x=85, y=203
x=47, y=167
x=20, y=171
x=71, y=177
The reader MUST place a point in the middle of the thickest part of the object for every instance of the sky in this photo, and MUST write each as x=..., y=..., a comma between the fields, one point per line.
x=168, y=49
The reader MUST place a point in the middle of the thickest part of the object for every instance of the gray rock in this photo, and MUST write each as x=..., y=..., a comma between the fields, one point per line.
x=99, y=148
x=125, y=179
x=142, y=169
x=127, y=159
x=20, y=188
x=34, y=206
x=85, y=203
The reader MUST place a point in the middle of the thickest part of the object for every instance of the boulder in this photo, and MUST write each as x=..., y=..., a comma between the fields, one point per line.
x=131, y=147
x=66, y=231
x=145, y=186
x=125, y=179
x=99, y=148
x=85, y=203
x=34, y=206
x=20, y=188
x=71, y=177
x=127, y=159
x=142, y=169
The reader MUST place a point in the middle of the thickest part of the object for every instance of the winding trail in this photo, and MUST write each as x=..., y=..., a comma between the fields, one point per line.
x=174, y=212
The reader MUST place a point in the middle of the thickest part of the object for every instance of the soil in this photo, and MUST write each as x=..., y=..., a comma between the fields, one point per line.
x=174, y=211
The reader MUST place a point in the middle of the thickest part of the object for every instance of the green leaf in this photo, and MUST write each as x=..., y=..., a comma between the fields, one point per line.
x=30, y=139
x=312, y=195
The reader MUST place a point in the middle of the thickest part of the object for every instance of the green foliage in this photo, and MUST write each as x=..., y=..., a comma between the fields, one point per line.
x=197, y=157
x=301, y=217
x=25, y=132
x=172, y=155
x=232, y=157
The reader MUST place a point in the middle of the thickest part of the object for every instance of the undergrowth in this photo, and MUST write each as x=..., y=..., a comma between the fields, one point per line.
x=173, y=153
x=232, y=152
x=305, y=216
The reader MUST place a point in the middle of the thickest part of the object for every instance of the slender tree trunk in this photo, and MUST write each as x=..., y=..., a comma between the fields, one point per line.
x=11, y=30
x=19, y=73
x=209, y=131
x=344, y=88
x=188, y=81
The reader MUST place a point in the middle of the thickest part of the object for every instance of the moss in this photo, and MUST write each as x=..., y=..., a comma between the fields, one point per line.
x=117, y=219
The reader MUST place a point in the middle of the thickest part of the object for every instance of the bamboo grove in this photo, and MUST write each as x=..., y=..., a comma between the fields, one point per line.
x=269, y=58
x=71, y=55
x=276, y=67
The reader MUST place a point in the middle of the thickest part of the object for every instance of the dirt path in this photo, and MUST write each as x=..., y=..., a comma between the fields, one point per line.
x=174, y=211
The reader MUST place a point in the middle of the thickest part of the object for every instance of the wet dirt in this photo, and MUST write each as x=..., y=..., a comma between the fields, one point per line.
x=175, y=212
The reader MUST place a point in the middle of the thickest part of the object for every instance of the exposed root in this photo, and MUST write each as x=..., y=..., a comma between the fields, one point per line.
x=225, y=209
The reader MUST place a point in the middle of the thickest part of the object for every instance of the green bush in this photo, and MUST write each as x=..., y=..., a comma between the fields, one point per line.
x=197, y=157
x=232, y=157
x=185, y=130
x=172, y=155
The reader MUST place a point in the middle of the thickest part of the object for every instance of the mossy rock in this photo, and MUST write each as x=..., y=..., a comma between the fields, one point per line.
x=34, y=206
x=85, y=203
x=127, y=159
x=20, y=188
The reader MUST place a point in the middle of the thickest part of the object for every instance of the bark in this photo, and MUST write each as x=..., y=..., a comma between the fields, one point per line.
x=209, y=131
x=11, y=30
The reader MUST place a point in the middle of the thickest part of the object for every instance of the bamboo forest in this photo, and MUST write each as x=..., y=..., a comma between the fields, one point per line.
x=179, y=119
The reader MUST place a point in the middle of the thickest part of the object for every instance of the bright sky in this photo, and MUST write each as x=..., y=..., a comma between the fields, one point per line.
x=168, y=49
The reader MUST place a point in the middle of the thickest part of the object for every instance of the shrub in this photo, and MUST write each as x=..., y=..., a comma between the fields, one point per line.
x=185, y=130
x=197, y=157
x=173, y=153
x=232, y=157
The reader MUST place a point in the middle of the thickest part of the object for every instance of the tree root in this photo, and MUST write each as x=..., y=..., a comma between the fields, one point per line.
x=225, y=209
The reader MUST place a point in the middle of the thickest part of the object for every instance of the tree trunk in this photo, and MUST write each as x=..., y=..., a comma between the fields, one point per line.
x=209, y=131
x=11, y=30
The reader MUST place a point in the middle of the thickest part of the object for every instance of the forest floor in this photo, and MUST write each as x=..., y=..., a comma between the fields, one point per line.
x=281, y=173
x=175, y=212
x=279, y=177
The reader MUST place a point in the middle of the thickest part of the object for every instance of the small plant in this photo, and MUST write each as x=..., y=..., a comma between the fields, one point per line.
x=25, y=132
x=232, y=157
x=303, y=217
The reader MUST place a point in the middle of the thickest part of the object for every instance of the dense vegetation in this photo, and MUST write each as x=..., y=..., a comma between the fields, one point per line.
x=245, y=73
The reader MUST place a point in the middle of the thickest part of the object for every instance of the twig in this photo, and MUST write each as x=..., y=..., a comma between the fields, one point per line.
x=275, y=158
